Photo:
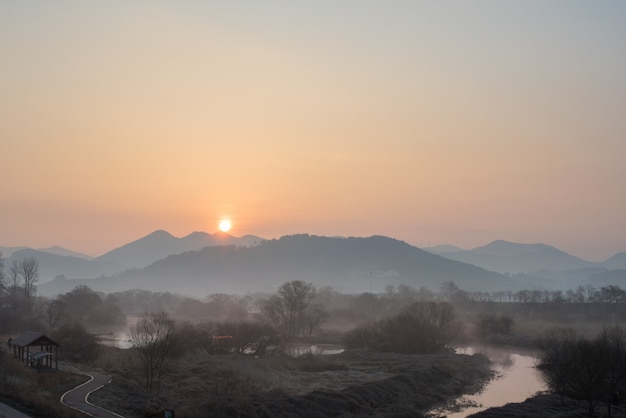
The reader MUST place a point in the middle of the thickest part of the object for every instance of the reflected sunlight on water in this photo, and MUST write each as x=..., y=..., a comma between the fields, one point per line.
x=516, y=379
x=299, y=349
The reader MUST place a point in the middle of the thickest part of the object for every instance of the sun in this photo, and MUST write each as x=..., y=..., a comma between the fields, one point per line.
x=225, y=225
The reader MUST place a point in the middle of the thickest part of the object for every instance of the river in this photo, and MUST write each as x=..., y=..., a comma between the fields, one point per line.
x=516, y=379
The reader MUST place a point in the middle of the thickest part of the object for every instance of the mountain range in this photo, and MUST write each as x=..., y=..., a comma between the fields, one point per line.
x=543, y=266
x=347, y=264
x=57, y=261
x=160, y=244
x=202, y=263
x=509, y=257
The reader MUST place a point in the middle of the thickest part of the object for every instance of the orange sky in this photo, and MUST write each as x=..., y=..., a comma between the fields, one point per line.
x=429, y=122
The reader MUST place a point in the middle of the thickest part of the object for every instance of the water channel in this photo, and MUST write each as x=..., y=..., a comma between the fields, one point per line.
x=515, y=380
x=515, y=377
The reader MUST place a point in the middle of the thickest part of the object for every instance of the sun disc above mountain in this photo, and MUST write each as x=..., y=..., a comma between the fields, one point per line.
x=225, y=225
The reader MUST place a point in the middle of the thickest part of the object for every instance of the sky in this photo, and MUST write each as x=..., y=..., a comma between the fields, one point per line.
x=441, y=122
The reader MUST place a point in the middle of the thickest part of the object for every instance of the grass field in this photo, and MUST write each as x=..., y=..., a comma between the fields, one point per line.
x=353, y=383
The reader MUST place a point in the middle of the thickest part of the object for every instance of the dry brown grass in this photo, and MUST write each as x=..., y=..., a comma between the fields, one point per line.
x=35, y=393
x=536, y=329
x=354, y=383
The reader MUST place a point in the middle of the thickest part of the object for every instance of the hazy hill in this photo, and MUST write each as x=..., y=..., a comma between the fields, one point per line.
x=610, y=277
x=55, y=261
x=52, y=265
x=64, y=251
x=8, y=251
x=508, y=257
x=442, y=249
x=616, y=262
x=346, y=264
x=160, y=244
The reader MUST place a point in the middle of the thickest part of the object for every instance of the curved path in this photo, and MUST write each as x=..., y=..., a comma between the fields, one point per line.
x=77, y=398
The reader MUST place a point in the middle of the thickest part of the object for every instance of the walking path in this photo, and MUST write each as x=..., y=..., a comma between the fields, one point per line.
x=77, y=398
x=7, y=412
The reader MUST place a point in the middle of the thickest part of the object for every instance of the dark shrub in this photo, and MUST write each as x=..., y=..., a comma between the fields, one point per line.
x=78, y=344
x=494, y=325
x=593, y=370
x=423, y=327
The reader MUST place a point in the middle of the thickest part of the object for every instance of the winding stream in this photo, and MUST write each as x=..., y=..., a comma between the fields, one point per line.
x=516, y=379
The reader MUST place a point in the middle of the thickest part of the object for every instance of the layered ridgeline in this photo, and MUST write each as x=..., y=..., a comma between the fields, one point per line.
x=56, y=261
x=353, y=265
x=160, y=244
x=540, y=266
x=511, y=257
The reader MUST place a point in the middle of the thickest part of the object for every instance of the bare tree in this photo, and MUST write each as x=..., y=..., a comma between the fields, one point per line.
x=54, y=311
x=592, y=370
x=153, y=342
x=559, y=345
x=81, y=303
x=14, y=279
x=313, y=318
x=29, y=270
x=292, y=310
x=614, y=342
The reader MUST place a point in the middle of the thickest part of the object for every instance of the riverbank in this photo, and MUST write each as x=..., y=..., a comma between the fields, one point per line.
x=350, y=384
x=515, y=378
x=549, y=406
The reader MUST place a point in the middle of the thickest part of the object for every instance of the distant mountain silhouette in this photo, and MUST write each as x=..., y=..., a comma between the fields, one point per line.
x=616, y=262
x=52, y=265
x=508, y=257
x=444, y=248
x=346, y=264
x=63, y=251
x=208, y=263
x=57, y=261
x=160, y=244
x=8, y=251
x=611, y=277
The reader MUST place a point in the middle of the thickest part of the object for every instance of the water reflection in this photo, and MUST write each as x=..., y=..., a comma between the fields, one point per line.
x=299, y=349
x=117, y=335
x=115, y=340
x=121, y=339
x=515, y=380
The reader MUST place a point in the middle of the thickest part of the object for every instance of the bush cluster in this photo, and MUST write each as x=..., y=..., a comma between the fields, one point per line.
x=78, y=344
x=421, y=328
x=494, y=325
x=593, y=370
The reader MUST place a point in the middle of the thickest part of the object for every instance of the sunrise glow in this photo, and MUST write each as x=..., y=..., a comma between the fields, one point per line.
x=225, y=225
x=329, y=118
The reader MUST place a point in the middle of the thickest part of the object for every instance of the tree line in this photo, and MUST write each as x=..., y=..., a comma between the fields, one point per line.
x=18, y=284
x=581, y=294
x=592, y=370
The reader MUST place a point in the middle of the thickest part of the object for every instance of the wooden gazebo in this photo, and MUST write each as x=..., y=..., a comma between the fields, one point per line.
x=35, y=349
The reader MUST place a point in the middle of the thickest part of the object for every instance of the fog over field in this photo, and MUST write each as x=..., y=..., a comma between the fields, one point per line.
x=315, y=326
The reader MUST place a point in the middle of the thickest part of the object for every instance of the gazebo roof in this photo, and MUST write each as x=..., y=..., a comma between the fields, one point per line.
x=33, y=338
